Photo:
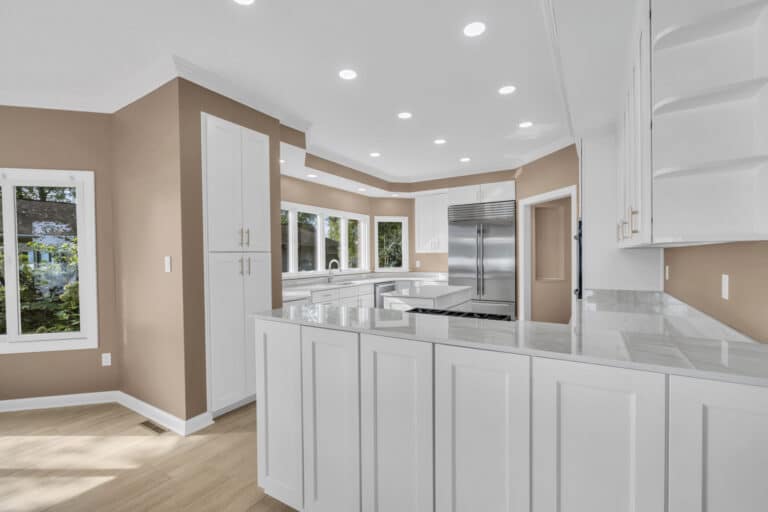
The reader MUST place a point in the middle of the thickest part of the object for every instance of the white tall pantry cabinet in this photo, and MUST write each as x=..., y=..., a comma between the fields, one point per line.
x=237, y=264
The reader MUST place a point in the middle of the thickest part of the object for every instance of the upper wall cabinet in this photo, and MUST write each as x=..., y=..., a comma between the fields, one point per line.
x=432, y=210
x=236, y=187
x=700, y=89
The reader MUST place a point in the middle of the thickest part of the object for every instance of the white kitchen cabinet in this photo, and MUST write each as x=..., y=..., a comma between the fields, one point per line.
x=235, y=290
x=431, y=212
x=718, y=446
x=227, y=358
x=366, y=301
x=499, y=191
x=238, y=278
x=482, y=430
x=396, y=426
x=464, y=195
x=280, y=468
x=598, y=438
x=349, y=301
x=236, y=187
x=331, y=420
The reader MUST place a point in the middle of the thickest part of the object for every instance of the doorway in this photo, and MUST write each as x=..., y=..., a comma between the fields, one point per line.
x=547, y=257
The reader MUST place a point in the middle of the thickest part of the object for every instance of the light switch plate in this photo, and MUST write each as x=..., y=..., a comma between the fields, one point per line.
x=106, y=359
x=418, y=263
x=167, y=263
x=666, y=272
x=725, y=285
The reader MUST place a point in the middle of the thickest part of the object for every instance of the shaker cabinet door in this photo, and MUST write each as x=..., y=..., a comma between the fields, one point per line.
x=396, y=426
x=482, y=430
x=256, y=196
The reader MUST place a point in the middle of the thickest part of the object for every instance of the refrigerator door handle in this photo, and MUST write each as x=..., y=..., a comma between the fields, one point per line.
x=477, y=262
x=482, y=260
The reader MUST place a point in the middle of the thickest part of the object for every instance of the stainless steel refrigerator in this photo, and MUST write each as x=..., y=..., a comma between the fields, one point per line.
x=481, y=255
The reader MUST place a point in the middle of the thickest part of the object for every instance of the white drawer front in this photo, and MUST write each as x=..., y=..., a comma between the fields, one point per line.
x=349, y=291
x=325, y=296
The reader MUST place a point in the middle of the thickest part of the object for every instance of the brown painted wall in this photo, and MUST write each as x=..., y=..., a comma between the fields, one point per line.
x=695, y=277
x=57, y=139
x=193, y=100
x=551, y=262
x=147, y=226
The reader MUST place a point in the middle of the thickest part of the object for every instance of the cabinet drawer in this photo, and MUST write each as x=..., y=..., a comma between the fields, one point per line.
x=366, y=289
x=349, y=291
x=348, y=301
x=325, y=296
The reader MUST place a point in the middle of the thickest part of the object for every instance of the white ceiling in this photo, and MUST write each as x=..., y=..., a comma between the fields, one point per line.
x=283, y=57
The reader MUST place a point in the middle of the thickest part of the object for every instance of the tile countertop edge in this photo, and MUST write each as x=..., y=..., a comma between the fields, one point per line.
x=560, y=356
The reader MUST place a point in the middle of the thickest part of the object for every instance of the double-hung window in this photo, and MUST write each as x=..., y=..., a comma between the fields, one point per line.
x=314, y=238
x=47, y=261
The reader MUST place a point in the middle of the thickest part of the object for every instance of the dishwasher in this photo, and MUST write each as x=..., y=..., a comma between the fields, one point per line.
x=378, y=289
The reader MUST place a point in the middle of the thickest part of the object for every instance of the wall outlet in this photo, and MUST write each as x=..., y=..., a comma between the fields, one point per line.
x=418, y=263
x=167, y=263
x=725, y=291
x=106, y=359
x=666, y=272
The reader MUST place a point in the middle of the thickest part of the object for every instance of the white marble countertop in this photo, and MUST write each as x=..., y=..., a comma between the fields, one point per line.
x=426, y=291
x=300, y=291
x=647, y=331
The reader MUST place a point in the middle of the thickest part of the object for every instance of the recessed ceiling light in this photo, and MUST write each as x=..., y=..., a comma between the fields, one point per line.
x=405, y=115
x=361, y=189
x=282, y=161
x=313, y=176
x=474, y=29
x=245, y=2
x=507, y=89
x=348, y=74
x=440, y=142
x=375, y=154
x=525, y=124
x=464, y=159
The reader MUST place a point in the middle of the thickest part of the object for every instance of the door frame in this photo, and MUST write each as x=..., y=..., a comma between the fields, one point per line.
x=525, y=256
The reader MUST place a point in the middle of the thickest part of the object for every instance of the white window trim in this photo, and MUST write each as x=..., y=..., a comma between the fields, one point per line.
x=87, y=338
x=322, y=213
x=404, y=222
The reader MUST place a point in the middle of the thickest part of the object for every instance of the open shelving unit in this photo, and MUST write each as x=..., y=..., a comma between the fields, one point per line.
x=710, y=120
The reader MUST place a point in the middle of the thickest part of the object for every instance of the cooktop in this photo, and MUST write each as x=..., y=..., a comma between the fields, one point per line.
x=461, y=314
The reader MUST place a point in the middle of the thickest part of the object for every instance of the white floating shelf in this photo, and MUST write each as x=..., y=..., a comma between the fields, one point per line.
x=732, y=92
x=733, y=165
x=713, y=25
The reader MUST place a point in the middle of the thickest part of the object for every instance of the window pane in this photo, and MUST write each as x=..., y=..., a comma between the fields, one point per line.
x=353, y=243
x=49, y=296
x=285, y=243
x=307, y=224
x=2, y=268
x=332, y=240
x=390, y=244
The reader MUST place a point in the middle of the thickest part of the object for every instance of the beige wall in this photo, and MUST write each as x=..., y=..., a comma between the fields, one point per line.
x=193, y=100
x=147, y=227
x=551, y=262
x=695, y=278
x=56, y=139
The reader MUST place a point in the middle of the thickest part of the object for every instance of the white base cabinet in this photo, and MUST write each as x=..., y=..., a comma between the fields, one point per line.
x=345, y=424
x=598, y=438
x=718, y=446
x=482, y=436
x=330, y=372
x=279, y=412
x=396, y=427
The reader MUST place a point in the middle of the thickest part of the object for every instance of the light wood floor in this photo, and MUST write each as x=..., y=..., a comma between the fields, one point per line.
x=99, y=458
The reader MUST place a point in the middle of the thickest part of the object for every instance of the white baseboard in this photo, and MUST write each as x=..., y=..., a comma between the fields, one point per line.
x=232, y=407
x=49, y=402
x=162, y=418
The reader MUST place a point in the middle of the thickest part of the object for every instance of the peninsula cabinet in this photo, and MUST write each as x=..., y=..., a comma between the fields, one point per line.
x=718, y=446
x=280, y=454
x=482, y=437
x=396, y=426
x=598, y=438
x=330, y=373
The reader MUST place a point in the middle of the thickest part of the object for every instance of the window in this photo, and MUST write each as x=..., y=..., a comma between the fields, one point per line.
x=284, y=240
x=313, y=237
x=391, y=238
x=47, y=261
